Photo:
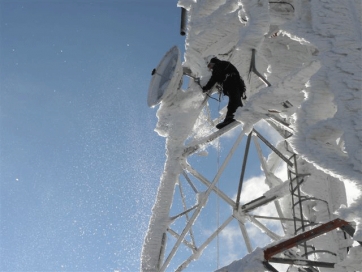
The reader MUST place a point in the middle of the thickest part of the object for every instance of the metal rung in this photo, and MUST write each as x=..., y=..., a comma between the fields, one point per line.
x=297, y=186
x=305, y=226
x=301, y=199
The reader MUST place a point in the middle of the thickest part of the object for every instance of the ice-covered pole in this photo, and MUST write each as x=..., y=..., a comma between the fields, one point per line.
x=176, y=118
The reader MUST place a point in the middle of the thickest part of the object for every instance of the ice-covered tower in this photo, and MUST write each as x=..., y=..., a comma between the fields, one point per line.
x=242, y=192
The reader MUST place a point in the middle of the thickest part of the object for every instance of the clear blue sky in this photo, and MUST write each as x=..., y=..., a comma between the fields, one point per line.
x=80, y=162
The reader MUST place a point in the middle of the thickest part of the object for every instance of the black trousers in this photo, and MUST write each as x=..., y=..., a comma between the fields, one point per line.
x=233, y=89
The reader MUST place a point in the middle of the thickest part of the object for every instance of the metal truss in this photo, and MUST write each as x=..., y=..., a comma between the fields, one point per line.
x=183, y=243
x=182, y=236
x=182, y=229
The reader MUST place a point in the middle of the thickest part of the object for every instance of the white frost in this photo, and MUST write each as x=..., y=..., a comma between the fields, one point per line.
x=311, y=55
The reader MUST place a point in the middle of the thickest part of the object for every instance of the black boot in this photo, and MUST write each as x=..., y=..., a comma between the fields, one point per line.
x=228, y=120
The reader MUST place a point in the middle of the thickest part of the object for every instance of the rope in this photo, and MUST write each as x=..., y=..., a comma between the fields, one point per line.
x=218, y=202
x=213, y=97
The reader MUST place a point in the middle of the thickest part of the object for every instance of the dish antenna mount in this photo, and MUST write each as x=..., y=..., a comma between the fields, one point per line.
x=166, y=78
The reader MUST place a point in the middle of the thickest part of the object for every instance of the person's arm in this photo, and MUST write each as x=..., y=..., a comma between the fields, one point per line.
x=209, y=84
x=216, y=77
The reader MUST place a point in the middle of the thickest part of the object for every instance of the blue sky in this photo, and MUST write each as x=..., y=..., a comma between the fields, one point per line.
x=80, y=162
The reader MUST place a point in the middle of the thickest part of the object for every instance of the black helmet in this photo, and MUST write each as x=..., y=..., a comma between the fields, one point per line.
x=214, y=60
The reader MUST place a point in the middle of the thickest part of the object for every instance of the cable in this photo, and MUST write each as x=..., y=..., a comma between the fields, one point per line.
x=213, y=97
x=218, y=202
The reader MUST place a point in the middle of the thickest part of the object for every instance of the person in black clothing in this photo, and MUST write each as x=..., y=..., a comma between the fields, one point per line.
x=224, y=73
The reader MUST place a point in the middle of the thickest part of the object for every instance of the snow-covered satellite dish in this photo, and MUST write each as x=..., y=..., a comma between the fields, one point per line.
x=166, y=77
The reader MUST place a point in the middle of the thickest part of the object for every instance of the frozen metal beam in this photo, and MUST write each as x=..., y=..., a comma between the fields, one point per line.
x=253, y=69
x=285, y=133
x=245, y=236
x=302, y=262
x=267, y=176
x=185, y=207
x=305, y=236
x=184, y=241
x=280, y=121
x=196, y=254
x=278, y=218
x=189, y=181
x=261, y=158
x=272, y=148
x=162, y=249
x=208, y=184
x=267, y=231
x=183, y=213
x=256, y=203
x=193, y=147
x=199, y=207
x=243, y=171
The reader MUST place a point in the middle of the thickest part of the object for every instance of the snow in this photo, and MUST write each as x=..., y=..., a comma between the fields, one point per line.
x=353, y=261
x=250, y=263
x=311, y=55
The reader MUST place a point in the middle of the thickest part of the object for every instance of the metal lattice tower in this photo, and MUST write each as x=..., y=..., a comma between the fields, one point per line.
x=183, y=240
x=182, y=236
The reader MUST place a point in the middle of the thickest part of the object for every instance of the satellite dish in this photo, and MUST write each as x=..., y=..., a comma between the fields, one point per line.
x=166, y=77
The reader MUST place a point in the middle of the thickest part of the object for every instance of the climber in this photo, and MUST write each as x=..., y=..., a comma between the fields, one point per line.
x=228, y=77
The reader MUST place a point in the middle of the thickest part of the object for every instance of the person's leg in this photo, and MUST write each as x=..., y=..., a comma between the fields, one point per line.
x=225, y=122
x=232, y=90
x=234, y=103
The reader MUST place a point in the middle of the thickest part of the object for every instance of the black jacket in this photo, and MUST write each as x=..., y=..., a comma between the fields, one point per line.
x=226, y=74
